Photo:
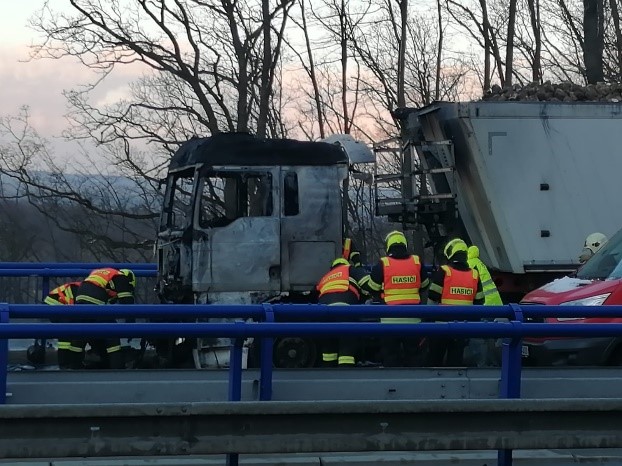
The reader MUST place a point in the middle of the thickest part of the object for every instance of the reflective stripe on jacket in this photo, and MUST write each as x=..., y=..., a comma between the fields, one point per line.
x=101, y=278
x=63, y=294
x=338, y=280
x=491, y=294
x=459, y=286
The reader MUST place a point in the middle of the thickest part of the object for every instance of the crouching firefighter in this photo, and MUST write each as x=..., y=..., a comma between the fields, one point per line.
x=340, y=286
x=61, y=295
x=102, y=286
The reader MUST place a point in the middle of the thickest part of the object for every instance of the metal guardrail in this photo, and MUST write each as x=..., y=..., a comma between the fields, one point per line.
x=78, y=265
x=267, y=328
x=301, y=427
x=47, y=270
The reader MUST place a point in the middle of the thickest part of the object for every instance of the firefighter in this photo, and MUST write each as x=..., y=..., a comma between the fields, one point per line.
x=61, y=295
x=491, y=294
x=483, y=350
x=64, y=294
x=102, y=286
x=454, y=284
x=592, y=243
x=340, y=286
x=398, y=279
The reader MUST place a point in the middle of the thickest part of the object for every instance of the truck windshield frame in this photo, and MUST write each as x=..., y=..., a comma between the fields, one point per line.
x=606, y=264
x=178, y=210
x=226, y=196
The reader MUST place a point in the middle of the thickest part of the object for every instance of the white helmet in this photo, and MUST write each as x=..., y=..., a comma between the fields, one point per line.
x=593, y=243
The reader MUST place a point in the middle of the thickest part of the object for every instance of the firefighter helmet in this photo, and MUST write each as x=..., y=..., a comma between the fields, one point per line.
x=453, y=246
x=130, y=275
x=593, y=243
x=340, y=261
x=395, y=237
x=355, y=258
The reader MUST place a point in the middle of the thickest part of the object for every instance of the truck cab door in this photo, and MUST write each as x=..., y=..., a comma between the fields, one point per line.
x=236, y=242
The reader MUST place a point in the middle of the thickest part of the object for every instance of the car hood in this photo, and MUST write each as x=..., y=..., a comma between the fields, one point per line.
x=569, y=289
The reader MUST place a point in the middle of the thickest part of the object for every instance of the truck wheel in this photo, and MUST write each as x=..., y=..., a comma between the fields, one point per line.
x=294, y=352
x=35, y=354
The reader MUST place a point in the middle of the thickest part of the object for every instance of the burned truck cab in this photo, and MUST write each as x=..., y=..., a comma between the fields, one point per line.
x=248, y=220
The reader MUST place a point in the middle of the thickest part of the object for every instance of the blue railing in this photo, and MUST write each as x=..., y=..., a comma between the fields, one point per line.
x=306, y=323
x=264, y=326
x=47, y=270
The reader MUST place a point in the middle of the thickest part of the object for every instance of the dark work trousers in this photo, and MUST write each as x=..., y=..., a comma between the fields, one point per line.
x=446, y=352
x=338, y=351
x=401, y=351
x=71, y=353
x=74, y=359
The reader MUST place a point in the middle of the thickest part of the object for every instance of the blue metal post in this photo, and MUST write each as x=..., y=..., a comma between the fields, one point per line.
x=235, y=383
x=511, y=366
x=45, y=290
x=265, y=363
x=4, y=353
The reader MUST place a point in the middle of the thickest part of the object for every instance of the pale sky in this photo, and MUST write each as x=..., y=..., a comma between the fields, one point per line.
x=40, y=83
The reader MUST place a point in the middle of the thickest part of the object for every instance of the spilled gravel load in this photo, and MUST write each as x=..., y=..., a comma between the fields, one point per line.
x=562, y=92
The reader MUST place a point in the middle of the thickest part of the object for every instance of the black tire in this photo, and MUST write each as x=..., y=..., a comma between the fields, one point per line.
x=294, y=352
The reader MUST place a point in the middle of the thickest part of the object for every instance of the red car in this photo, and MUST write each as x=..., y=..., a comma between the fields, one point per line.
x=598, y=282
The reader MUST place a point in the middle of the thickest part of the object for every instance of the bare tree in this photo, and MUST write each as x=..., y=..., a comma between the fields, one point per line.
x=615, y=14
x=509, y=49
x=310, y=69
x=401, y=62
x=439, y=54
x=206, y=67
x=593, y=21
x=478, y=26
x=534, y=16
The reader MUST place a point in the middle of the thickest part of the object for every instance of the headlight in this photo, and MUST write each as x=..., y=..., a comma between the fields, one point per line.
x=591, y=301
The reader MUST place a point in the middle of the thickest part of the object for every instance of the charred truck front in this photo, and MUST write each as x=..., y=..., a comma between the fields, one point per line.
x=248, y=220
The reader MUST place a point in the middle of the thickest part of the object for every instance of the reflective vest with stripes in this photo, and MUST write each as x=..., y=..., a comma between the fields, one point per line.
x=102, y=277
x=491, y=294
x=459, y=286
x=338, y=280
x=401, y=283
x=63, y=294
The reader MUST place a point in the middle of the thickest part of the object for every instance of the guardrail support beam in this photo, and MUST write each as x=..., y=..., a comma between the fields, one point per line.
x=265, y=363
x=4, y=354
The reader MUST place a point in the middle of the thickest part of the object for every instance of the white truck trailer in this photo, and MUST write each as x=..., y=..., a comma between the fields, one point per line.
x=525, y=181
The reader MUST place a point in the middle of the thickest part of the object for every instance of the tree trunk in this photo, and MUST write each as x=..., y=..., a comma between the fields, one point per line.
x=509, y=50
x=487, y=47
x=401, y=64
x=615, y=14
x=316, y=88
x=439, y=54
x=494, y=47
x=534, y=15
x=265, y=89
x=344, y=66
x=593, y=44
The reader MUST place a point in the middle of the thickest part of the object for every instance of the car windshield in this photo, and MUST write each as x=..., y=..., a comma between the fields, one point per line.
x=606, y=264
